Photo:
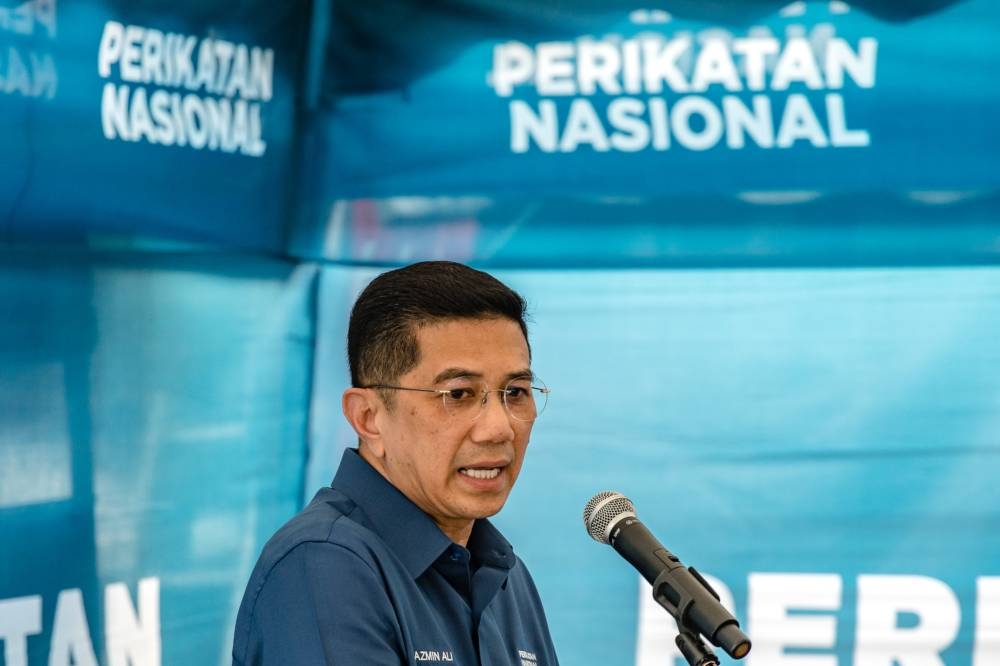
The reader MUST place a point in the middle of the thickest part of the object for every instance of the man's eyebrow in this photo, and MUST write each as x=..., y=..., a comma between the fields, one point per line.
x=452, y=373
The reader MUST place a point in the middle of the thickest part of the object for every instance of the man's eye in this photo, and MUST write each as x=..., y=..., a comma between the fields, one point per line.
x=517, y=392
x=460, y=394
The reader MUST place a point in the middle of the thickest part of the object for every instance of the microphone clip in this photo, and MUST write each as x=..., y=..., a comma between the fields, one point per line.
x=672, y=590
x=676, y=602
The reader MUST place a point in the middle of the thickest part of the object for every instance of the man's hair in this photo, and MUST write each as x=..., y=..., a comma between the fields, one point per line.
x=382, y=335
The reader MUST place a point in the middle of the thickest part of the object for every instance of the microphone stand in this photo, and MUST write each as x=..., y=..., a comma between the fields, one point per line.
x=695, y=650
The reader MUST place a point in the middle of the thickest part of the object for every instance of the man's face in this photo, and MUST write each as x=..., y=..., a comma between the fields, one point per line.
x=453, y=467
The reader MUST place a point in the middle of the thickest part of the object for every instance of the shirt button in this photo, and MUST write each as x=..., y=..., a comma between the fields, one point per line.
x=455, y=555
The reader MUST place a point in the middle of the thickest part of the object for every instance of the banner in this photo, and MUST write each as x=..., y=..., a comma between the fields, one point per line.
x=817, y=96
x=152, y=120
x=612, y=135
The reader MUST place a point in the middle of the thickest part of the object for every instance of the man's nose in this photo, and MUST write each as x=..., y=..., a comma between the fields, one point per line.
x=494, y=422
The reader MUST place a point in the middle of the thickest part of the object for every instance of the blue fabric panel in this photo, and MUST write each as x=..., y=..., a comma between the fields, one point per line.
x=152, y=425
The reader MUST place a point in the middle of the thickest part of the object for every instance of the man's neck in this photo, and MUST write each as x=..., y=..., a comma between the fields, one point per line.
x=458, y=533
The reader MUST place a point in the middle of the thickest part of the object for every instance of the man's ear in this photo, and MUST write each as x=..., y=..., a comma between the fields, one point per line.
x=361, y=407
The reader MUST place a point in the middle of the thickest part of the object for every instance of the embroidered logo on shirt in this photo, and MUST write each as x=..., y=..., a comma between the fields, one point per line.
x=433, y=655
x=527, y=658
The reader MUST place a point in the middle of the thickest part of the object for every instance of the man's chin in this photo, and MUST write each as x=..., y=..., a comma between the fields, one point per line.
x=488, y=509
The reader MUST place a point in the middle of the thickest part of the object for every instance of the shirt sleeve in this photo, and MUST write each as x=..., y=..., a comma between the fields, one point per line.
x=322, y=604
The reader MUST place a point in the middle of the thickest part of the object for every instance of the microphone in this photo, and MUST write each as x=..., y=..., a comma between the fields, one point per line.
x=610, y=518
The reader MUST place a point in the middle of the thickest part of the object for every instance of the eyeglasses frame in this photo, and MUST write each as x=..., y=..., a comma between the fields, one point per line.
x=545, y=390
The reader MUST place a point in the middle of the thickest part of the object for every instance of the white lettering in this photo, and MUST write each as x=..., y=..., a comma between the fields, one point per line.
x=715, y=66
x=138, y=117
x=183, y=62
x=433, y=655
x=129, y=65
x=130, y=114
x=685, y=133
x=860, y=66
x=659, y=122
x=19, y=618
x=654, y=65
x=261, y=74
x=195, y=120
x=114, y=112
x=583, y=127
x=252, y=142
x=660, y=64
x=598, y=64
x=222, y=124
x=796, y=64
x=513, y=64
x=45, y=14
x=143, y=55
x=153, y=64
x=879, y=641
x=526, y=126
x=207, y=65
x=755, y=51
x=645, y=64
x=554, y=69
x=46, y=78
x=632, y=66
x=71, y=644
x=21, y=18
x=799, y=122
x=239, y=73
x=31, y=74
x=224, y=52
x=986, y=650
x=177, y=114
x=159, y=109
x=110, y=50
x=17, y=79
x=772, y=596
x=840, y=135
x=133, y=639
x=740, y=121
x=632, y=132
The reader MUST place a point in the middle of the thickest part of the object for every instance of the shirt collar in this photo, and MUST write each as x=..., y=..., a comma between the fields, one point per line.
x=489, y=546
x=409, y=532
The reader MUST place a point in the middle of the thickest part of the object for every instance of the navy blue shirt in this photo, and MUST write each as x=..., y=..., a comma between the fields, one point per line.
x=363, y=576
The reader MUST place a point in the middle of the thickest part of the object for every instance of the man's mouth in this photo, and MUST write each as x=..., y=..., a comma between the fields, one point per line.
x=483, y=473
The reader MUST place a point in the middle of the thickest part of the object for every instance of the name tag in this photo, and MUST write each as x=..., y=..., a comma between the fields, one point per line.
x=436, y=656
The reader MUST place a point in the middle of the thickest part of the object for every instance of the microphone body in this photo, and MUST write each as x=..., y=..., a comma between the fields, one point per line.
x=682, y=591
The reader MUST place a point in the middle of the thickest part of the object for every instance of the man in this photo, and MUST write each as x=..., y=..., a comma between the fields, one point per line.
x=395, y=563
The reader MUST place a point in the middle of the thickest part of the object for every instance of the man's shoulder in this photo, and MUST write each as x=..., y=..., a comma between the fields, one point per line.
x=328, y=519
x=325, y=546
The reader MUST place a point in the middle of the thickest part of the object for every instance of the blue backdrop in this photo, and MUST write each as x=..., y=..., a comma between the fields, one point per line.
x=786, y=422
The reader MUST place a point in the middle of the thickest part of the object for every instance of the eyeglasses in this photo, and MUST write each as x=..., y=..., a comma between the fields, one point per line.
x=524, y=398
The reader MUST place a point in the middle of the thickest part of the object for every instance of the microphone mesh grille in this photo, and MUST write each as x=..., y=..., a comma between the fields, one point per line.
x=602, y=510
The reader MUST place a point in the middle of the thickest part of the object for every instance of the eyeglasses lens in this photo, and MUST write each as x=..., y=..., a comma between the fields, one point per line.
x=524, y=398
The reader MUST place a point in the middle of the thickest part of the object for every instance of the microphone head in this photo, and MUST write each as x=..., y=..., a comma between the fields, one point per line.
x=604, y=510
